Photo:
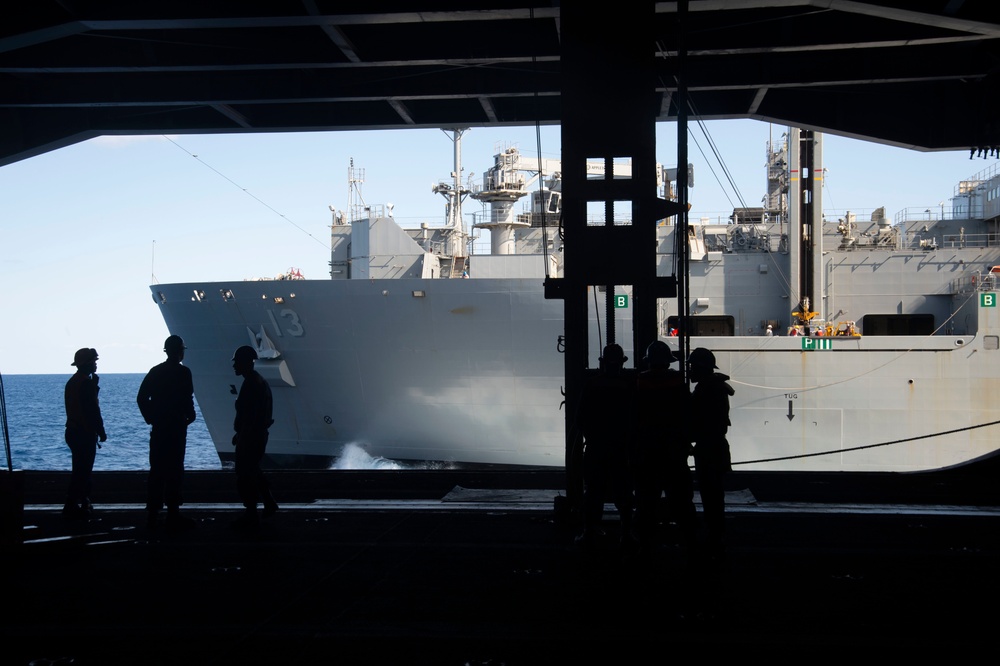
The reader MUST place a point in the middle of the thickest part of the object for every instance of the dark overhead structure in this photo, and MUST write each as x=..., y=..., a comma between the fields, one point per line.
x=916, y=73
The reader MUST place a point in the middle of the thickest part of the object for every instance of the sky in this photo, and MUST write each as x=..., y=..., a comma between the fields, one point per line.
x=86, y=229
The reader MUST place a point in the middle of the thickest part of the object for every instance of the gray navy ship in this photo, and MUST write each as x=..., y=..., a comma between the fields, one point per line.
x=855, y=341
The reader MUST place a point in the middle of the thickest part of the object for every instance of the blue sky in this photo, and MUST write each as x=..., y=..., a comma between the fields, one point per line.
x=87, y=228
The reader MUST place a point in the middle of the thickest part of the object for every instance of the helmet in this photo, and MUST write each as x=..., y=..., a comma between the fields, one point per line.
x=614, y=353
x=173, y=344
x=246, y=352
x=702, y=358
x=84, y=356
x=659, y=355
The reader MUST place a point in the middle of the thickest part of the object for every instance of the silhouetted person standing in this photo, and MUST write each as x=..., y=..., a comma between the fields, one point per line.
x=710, y=411
x=84, y=427
x=663, y=402
x=606, y=420
x=166, y=400
x=253, y=418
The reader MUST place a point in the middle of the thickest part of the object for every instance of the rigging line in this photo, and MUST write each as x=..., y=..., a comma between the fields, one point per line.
x=245, y=191
x=708, y=163
x=774, y=262
x=863, y=374
x=715, y=151
x=704, y=130
x=869, y=446
x=722, y=162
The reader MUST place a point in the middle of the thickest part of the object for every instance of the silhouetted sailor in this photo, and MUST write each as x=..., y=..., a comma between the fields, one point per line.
x=663, y=447
x=710, y=423
x=166, y=400
x=253, y=418
x=606, y=421
x=84, y=427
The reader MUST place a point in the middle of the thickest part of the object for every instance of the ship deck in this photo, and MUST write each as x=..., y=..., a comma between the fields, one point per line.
x=458, y=568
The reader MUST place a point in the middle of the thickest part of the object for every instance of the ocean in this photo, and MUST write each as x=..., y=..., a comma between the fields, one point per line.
x=36, y=420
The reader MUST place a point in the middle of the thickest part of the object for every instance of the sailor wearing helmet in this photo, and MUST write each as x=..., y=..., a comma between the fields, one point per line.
x=84, y=427
x=605, y=422
x=166, y=400
x=663, y=449
x=710, y=408
x=253, y=418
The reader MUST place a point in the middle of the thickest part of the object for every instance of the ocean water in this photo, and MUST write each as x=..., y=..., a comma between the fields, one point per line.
x=36, y=421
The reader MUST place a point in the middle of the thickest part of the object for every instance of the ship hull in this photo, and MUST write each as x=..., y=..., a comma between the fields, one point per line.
x=464, y=371
x=470, y=371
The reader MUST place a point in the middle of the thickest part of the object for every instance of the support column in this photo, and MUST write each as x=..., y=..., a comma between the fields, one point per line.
x=609, y=103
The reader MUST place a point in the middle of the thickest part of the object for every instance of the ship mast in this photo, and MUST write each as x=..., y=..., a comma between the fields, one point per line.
x=454, y=193
x=806, y=221
x=357, y=209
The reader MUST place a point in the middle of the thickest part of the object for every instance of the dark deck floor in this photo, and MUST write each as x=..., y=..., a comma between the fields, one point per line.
x=418, y=576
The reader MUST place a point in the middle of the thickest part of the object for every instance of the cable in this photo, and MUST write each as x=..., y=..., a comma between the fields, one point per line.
x=246, y=191
x=868, y=446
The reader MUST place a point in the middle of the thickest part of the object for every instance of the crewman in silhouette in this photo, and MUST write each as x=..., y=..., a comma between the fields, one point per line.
x=166, y=400
x=253, y=418
x=710, y=423
x=663, y=403
x=606, y=422
x=84, y=427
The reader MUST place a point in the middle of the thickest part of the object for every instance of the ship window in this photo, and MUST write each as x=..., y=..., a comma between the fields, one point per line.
x=896, y=324
x=707, y=325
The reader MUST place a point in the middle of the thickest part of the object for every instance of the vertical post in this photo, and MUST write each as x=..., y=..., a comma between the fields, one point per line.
x=683, y=223
x=609, y=103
